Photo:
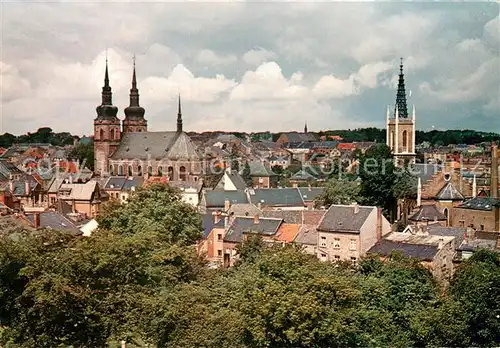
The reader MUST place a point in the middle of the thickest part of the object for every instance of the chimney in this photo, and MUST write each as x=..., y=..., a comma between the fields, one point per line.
x=309, y=188
x=356, y=207
x=227, y=205
x=259, y=205
x=441, y=243
x=379, y=224
x=70, y=179
x=27, y=187
x=494, y=170
x=216, y=217
x=256, y=219
x=474, y=187
x=294, y=185
x=36, y=220
x=11, y=186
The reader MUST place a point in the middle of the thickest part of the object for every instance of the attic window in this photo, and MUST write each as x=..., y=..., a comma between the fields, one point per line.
x=127, y=149
x=147, y=148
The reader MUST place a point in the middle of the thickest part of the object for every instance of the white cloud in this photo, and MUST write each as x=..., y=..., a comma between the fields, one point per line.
x=258, y=56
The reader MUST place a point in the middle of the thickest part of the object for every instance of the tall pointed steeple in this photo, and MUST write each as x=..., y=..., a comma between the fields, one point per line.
x=134, y=111
x=305, y=127
x=179, y=116
x=106, y=110
x=401, y=95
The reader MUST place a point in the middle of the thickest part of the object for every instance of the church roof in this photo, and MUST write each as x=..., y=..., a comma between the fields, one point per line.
x=450, y=193
x=156, y=145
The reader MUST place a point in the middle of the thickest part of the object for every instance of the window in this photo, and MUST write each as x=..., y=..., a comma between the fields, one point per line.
x=336, y=243
x=219, y=252
x=120, y=170
x=353, y=259
x=353, y=244
x=323, y=241
x=405, y=141
x=219, y=236
x=160, y=171
x=112, y=134
x=336, y=257
x=461, y=223
x=482, y=227
x=150, y=171
x=323, y=257
x=170, y=173
x=124, y=198
x=130, y=171
x=101, y=134
x=182, y=173
x=139, y=170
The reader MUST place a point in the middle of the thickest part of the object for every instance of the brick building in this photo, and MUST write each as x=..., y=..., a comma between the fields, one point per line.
x=128, y=149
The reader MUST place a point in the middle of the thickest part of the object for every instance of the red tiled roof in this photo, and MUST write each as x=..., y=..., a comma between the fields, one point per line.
x=287, y=232
x=346, y=146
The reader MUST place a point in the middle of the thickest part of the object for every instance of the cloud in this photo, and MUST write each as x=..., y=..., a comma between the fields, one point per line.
x=209, y=57
x=257, y=56
x=247, y=66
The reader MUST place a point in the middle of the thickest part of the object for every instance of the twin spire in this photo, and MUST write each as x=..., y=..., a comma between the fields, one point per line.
x=134, y=111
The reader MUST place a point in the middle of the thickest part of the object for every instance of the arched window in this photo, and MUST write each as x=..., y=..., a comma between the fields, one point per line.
x=160, y=171
x=101, y=134
x=112, y=133
x=170, y=173
x=139, y=170
x=391, y=141
x=182, y=173
x=111, y=169
x=115, y=170
x=150, y=171
x=130, y=171
x=120, y=170
x=405, y=141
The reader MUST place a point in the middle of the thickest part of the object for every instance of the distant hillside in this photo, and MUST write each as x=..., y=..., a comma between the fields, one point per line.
x=42, y=135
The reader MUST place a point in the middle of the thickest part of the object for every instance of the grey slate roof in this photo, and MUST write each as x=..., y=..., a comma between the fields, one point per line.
x=428, y=213
x=276, y=197
x=242, y=209
x=241, y=225
x=303, y=175
x=450, y=193
x=156, y=145
x=306, y=217
x=480, y=203
x=216, y=198
x=208, y=223
x=298, y=137
x=123, y=183
x=457, y=232
x=55, y=221
x=309, y=194
x=7, y=168
x=237, y=181
x=307, y=235
x=257, y=168
x=419, y=251
x=342, y=218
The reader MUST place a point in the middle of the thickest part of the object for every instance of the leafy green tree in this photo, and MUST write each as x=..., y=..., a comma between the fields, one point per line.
x=476, y=286
x=159, y=209
x=246, y=175
x=377, y=173
x=338, y=192
x=83, y=153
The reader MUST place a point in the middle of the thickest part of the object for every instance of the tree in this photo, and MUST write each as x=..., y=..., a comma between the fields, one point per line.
x=246, y=175
x=234, y=159
x=157, y=208
x=405, y=190
x=83, y=153
x=376, y=170
x=338, y=192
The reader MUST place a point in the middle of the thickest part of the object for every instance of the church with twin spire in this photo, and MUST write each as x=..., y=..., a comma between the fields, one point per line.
x=127, y=148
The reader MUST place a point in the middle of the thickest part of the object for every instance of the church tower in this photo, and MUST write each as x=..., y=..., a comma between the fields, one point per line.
x=400, y=128
x=134, y=114
x=106, y=129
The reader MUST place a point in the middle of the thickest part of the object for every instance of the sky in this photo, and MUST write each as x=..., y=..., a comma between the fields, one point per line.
x=250, y=66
